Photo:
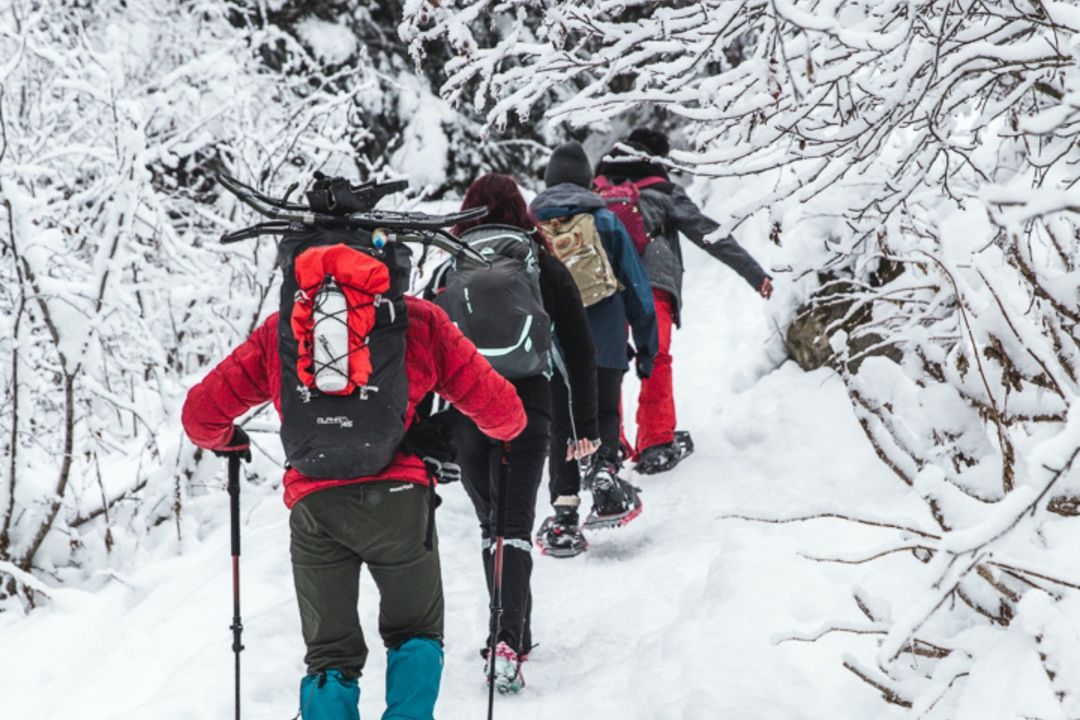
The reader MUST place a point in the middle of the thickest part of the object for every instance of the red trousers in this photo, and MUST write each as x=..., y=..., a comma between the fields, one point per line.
x=656, y=403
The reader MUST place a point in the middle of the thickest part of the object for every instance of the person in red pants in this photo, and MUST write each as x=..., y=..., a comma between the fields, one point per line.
x=656, y=401
x=668, y=212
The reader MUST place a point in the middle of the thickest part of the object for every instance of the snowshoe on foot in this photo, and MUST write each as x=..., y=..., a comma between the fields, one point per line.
x=615, y=501
x=661, y=458
x=509, y=679
x=560, y=536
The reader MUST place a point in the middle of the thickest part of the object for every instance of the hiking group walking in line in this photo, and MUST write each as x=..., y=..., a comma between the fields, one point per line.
x=513, y=360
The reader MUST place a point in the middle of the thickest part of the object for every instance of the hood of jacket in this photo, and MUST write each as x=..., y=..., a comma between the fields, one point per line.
x=565, y=199
x=620, y=169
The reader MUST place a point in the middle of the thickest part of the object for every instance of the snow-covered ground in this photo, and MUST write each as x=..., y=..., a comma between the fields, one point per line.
x=675, y=617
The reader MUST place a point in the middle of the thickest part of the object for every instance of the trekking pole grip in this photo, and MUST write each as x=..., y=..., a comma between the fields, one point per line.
x=234, y=502
x=504, y=484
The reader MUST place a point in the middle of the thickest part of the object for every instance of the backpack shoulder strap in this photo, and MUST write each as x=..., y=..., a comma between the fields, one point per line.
x=438, y=280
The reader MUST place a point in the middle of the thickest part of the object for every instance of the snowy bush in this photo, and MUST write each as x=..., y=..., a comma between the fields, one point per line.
x=115, y=294
x=917, y=161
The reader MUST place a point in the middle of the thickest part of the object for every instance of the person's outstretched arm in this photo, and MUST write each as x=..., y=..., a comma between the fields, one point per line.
x=702, y=231
x=562, y=301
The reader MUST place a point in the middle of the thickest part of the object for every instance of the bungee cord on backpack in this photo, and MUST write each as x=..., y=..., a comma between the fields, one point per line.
x=327, y=308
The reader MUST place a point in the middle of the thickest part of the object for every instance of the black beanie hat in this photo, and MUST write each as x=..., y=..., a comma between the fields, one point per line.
x=651, y=141
x=569, y=164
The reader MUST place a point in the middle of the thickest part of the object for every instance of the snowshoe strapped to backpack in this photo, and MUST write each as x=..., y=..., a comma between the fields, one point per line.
x=576, y=242
x=341, y=337
x=622, y=199
x=500, y=308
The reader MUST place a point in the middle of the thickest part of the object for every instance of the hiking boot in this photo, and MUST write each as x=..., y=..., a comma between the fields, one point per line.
x=661, y=458
x=559, y=535
x=615, y=501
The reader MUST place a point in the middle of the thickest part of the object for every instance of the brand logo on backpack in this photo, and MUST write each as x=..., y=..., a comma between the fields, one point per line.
x=338, y=420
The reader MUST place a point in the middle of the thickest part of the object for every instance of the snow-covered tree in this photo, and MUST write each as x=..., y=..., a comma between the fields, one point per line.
x=114, y=292
x=403, y=124
x=917, y=161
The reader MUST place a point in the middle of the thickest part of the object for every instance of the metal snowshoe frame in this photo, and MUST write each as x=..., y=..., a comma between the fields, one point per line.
x=558, y=552
x=351, y=207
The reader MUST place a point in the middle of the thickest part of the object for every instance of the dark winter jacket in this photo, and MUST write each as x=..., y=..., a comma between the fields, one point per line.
x=562, y=302
x=437, y=358
x=668, y=211
x=633, y=304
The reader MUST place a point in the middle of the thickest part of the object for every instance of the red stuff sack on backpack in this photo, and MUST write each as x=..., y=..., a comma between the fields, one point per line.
x=341, y=287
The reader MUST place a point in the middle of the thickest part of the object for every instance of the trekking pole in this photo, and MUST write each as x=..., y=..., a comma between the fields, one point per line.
x=496, y=593
x=560, y=366
x=582, y=465
x=234, y=520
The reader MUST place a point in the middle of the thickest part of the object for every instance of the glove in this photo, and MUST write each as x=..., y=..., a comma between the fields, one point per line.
x=643, y=366
x=239, y=444
x=431, y=437
x=444, y=472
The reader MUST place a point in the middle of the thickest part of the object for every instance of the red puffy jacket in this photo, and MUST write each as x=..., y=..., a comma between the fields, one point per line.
x=437, y=357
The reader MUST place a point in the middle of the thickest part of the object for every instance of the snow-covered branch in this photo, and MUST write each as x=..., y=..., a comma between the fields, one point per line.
x=918, y=162
x=116, y=291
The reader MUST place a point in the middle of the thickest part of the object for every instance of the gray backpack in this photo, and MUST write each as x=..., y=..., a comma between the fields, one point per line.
x=500, y=307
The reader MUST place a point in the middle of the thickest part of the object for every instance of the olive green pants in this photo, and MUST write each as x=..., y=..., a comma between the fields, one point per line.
x=334, y=532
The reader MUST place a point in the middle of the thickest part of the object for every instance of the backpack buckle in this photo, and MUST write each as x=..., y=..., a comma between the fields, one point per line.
x=380, y=300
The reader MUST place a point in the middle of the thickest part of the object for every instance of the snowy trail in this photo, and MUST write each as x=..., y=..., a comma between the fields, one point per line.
x=671, y=618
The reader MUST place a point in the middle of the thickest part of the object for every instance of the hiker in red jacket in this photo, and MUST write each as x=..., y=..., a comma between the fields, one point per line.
x=338, y=524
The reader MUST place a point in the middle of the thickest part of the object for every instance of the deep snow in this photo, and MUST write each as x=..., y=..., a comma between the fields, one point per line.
x=675, y=617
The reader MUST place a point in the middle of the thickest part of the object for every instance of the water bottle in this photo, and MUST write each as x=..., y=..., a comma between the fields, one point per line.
x=331, y=339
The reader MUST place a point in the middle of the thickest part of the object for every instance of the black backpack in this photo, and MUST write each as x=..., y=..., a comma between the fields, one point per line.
x=343, y=435
x=343, y=406
x=500, y=308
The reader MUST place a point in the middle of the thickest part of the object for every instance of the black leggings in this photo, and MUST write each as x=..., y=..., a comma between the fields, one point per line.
x=565, y=478
x=479, y=457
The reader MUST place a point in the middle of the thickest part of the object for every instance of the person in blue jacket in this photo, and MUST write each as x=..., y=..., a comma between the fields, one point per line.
x=568, y=178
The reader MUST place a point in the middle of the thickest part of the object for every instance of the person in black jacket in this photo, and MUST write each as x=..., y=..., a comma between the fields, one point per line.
x=479, y=456
x=567, y=202
x=667, y=213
